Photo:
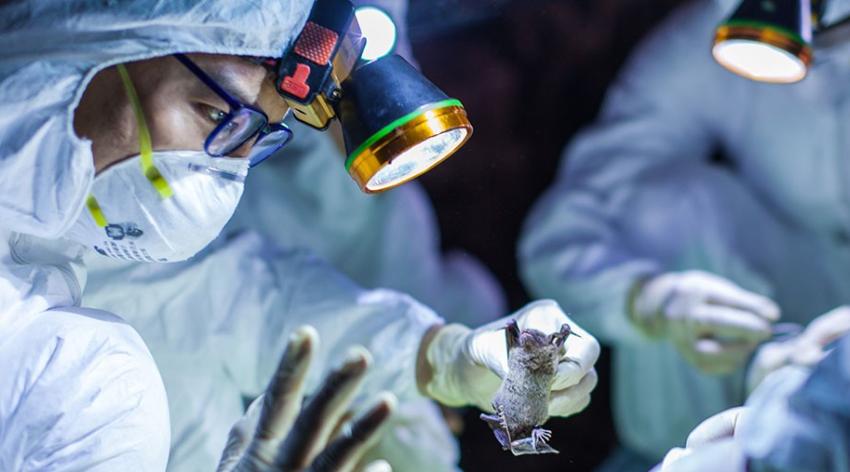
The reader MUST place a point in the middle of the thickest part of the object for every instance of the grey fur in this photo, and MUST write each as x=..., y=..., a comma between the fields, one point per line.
x=522, y=401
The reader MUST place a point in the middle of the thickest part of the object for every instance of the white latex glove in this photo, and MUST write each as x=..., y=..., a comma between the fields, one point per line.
x=710, y=446
x=805, y=349
x=713, y=323
x=723, y=425
x=276, y=435
x=724, y=455
x=467, y=365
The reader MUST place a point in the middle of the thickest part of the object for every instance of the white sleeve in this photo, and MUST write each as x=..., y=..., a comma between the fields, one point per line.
x=285, y=289
x=664, y=116
x=80, y=391
x=801, y=421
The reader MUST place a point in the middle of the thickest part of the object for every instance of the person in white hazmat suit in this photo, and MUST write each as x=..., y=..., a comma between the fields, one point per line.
x=158, y=196
x=80, y=390
x=296, y=203
x=797, y=419
x=683, y=264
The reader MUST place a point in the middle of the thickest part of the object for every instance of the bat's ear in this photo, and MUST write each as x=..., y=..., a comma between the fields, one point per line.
x=512, y=333
x=559, y=338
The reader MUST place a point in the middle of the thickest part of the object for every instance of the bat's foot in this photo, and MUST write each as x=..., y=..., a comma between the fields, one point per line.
x=535, y=444
x=540, y=437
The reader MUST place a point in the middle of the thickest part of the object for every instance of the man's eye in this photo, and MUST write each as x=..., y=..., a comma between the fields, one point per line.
x=215, y=115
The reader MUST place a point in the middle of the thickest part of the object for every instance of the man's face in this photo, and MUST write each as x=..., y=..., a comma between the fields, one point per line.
x=179, y=108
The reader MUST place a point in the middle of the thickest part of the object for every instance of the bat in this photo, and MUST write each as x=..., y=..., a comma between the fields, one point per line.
x=522, y=402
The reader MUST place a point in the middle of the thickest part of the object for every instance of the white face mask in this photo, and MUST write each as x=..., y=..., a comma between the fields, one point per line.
x=128, y=218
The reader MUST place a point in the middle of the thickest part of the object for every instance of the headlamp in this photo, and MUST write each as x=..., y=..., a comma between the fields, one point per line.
x=767, y=40
x=397, y=125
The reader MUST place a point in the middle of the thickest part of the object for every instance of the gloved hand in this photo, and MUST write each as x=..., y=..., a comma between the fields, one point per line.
x=713, y=323
x=466, y=366
x=718, y=427
x=805, y=349
x=724, y=455
x=710, y=446
x=277, y=435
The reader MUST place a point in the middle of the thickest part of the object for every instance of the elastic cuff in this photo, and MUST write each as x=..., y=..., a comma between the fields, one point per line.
x=650, y=325
x=445, y=356
x=424, y=371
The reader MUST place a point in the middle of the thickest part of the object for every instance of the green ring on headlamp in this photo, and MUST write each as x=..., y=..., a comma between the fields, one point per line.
x=762, y=25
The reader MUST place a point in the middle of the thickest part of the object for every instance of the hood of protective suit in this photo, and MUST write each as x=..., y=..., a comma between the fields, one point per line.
x=52, y=49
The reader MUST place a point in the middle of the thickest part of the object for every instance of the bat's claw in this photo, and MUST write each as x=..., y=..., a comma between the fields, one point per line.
x=560, y=337
x=504, y=418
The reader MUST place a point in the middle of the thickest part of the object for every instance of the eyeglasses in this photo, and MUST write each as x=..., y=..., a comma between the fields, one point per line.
x=240, y=124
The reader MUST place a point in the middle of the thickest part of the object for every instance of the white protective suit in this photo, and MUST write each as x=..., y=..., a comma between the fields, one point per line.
x=798, y=421
x=217, y=325
x=638, y=194
x=304, y=198
x=80, y=390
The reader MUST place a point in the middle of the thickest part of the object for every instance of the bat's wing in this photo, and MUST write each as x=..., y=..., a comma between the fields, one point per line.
x=496, y=423
x=503, y=438
x=512, y=334
x=522, y=447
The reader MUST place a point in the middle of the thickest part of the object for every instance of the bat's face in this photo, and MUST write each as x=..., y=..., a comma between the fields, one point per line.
x=534, y=349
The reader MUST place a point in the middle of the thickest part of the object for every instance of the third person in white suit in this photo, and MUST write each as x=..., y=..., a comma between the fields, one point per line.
x=682, y=262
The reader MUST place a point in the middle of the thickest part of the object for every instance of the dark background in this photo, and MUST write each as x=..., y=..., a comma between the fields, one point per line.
x=530, y=73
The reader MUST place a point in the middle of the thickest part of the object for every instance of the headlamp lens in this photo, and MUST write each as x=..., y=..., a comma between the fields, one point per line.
x=417, y=160
x=759, y=61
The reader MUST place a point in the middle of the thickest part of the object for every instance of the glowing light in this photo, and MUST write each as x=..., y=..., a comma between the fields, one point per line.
x=418, y=159
x=379, y=30
x=759, y=61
